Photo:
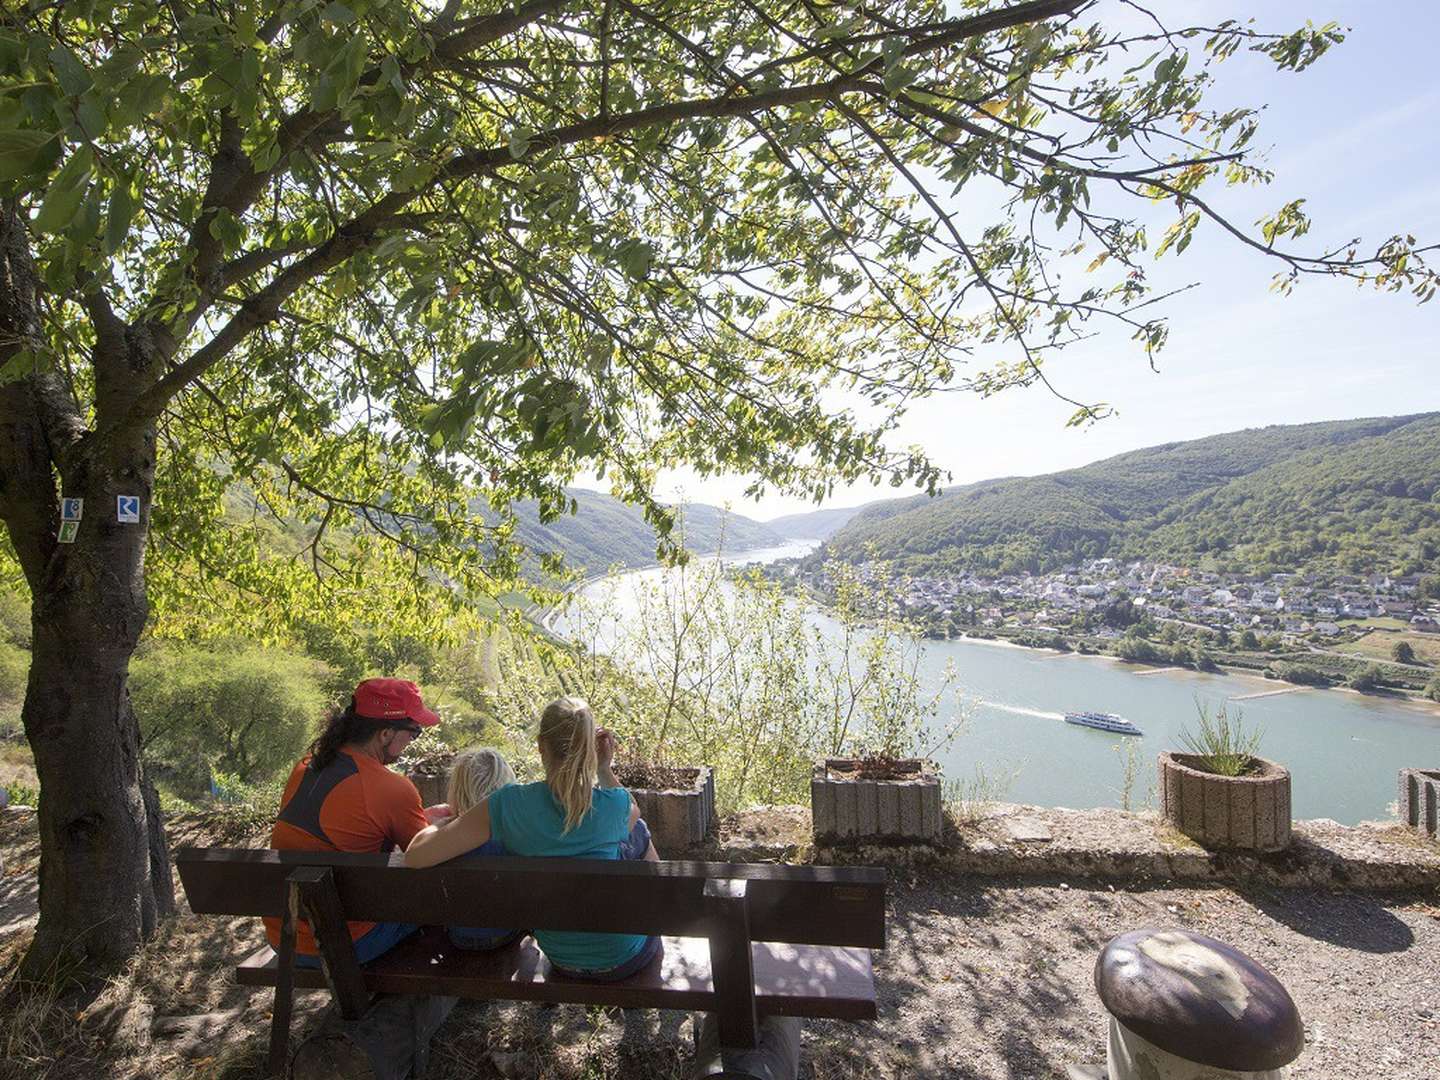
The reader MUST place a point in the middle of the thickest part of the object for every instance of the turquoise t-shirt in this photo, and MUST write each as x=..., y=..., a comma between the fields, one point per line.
x=528, y=821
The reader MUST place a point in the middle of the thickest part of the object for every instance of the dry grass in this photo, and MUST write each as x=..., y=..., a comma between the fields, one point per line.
x=1377, y=645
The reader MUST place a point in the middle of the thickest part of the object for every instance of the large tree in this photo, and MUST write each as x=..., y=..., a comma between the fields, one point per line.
x=373, y=259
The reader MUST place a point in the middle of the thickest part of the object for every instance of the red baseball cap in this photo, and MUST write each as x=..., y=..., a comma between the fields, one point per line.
x=392, y=699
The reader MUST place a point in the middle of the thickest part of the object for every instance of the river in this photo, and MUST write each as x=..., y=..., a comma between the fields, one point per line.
x=1343, y=749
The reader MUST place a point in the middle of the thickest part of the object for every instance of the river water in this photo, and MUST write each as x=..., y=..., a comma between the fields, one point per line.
x=1343, y=750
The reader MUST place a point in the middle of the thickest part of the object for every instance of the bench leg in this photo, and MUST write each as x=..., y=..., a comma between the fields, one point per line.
x=315, y=886
x=731, y=964
x=284, y=989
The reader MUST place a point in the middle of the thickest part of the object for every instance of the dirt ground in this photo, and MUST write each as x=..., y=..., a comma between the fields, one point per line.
x=983, y=979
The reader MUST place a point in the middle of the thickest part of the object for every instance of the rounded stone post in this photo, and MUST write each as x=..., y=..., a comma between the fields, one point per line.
x=1184, y=1006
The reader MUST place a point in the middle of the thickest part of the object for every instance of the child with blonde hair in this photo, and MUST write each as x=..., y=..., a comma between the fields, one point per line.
x=475, y=775
x=579, y=811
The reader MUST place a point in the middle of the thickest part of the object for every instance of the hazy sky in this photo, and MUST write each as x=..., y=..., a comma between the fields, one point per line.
x=1358, y=136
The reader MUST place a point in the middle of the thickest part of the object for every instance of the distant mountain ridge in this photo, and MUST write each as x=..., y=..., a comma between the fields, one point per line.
x=605, y=531
x=1346, y=495
x=814, y=525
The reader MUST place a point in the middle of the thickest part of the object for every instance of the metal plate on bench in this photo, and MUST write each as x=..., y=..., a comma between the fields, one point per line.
x=790, y=980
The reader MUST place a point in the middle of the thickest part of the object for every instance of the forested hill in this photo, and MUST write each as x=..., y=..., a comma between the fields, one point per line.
x=605, y=531
x=1354, y=495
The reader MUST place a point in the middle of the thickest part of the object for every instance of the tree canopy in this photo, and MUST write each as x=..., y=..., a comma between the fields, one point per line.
x=378, y=253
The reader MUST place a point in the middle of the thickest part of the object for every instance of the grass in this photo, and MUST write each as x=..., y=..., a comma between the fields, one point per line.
x=1378, y=646
x=1223, y=745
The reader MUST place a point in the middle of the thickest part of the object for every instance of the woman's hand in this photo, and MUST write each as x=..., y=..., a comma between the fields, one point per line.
x=435, y=844
x=605, y=746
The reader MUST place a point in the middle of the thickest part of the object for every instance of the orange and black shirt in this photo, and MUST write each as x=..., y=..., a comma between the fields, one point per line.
x=353, y=804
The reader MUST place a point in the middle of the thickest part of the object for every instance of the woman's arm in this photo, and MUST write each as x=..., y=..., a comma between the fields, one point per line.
x=455, y=836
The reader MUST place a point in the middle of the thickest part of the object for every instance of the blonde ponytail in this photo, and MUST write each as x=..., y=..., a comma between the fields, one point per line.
x=474, y=775
x=567, y=744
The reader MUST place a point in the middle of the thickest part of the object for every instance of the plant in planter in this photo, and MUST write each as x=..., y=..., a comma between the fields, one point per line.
x=427, y=765
x=1221, y=793
x=889, y=790
x=677, y=802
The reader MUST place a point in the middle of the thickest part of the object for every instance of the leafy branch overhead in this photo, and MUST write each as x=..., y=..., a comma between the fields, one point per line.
x=335, y=249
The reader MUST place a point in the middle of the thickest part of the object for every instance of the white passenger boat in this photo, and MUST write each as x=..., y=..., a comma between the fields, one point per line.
x=1103, y=721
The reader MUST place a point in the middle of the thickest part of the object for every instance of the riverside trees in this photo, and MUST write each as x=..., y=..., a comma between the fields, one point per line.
x=375, y=258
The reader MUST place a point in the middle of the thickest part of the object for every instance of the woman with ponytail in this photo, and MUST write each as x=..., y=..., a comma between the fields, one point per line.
x=567, y=816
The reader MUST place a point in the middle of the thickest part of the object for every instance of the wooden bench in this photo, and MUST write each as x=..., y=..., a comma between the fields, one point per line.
x=742, y=941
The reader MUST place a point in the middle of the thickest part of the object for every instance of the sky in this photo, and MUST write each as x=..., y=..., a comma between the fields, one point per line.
x=1358, y=136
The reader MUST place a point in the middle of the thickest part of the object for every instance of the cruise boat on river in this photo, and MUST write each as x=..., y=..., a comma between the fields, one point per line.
x=1103, y=721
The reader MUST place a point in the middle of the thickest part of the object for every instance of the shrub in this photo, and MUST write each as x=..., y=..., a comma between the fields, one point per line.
x=1369, y=678
x=14, y=619
x=1223, y=745
x=244, y=711
x=1403, y=652
x=19, y=793
x=14, y=669
x=1302, y=674
x=1432, y=689
x=1136, y=649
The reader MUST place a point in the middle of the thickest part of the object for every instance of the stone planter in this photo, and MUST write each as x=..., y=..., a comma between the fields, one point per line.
x=1242, y=813
x=677, y=802
x=1420, y=801
x=850, y=807
x=431, y=779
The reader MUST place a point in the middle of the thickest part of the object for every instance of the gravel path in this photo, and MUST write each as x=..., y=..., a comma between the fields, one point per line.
x=984, y=979
x=987, y=979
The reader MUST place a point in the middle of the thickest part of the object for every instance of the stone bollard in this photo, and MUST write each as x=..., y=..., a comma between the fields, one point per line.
x=1184, y=1006
x=776, y=1057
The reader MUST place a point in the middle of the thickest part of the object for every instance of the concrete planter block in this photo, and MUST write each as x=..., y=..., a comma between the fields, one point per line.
x=680, y=817
x=1241, y=813
x=431, y=780
x=1420, y=801
x=848, y=806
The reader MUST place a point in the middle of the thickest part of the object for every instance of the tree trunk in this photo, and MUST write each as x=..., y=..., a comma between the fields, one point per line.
x=104, y=871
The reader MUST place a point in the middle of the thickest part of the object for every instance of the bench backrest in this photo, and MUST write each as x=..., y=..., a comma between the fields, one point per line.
x=803, y=905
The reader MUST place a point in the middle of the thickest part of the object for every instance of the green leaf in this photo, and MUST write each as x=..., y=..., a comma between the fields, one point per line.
x=117, y=220
x=92, y=117
x=19, y=151
x=65, y=193
x=520, y=142
x=70, y=72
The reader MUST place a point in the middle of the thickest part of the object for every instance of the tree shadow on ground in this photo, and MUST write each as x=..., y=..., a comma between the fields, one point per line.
x=1007, y=972
x=1349, y=920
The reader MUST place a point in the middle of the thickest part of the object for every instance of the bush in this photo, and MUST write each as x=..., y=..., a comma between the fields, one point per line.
x=244, y=711
x=1136, y=649
x=1370, y=678
x=19, y=793
x=1403, y=652
x=14, y=670
x=14, y=619
x=1432, y=689
x=1302, y=674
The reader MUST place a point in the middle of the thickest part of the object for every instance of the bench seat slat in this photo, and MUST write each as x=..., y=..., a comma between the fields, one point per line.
x=834, y=982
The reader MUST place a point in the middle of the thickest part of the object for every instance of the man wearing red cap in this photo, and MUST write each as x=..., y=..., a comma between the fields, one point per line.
x=341, y=797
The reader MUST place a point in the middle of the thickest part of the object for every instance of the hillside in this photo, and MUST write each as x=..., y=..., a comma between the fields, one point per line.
x=1348, y=495
x=815, y=525
x=605, y=531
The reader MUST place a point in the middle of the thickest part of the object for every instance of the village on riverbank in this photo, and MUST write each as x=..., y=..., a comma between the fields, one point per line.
x=1372, y=632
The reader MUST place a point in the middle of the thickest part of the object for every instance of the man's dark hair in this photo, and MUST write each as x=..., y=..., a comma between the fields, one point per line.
x=342, y=727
